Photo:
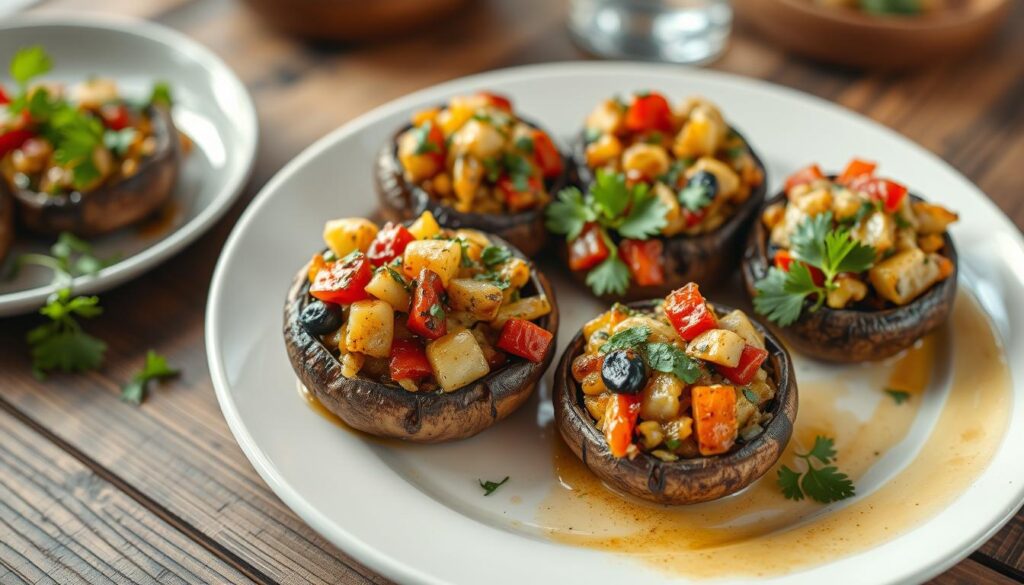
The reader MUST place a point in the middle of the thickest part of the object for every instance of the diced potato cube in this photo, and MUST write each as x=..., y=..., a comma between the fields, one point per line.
x=426, y=115
x=596, y=406
x=94, y=92
x=418, y=166
x=467, y=175
x=659, y=400
x=602, y=151
x=650, y=160
x=425, y=226
x=661, y=332
x=478, y=139
x=931, y=242
x=385, y=287
x=728, y=180
x=371, y=328
x=528, y=309
x=877, y=230
x=744, y=409
x=845, y=204
x=457, y=360
x=349, y=234
x=814, y=202
x=651, y=433
x=931, y=218
x=441, y=256
x=718, y=346
x=607, y=117
x=479, y=298
x=904, y=276
x=738, y=322
x=848, y=288
x=702, y=134
x=351, y=363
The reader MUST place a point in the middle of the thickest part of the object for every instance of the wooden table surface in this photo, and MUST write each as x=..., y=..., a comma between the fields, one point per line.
x=95, y=490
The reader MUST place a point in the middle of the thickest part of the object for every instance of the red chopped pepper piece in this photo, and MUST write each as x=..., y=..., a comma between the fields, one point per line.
x=750, y=360
x=855, y=169
x=783, y=260
x=116, y=116
x=620, y=422
x=549, y=160
x=13, y=140
x=588, y=249
x=644, y=260
x=4, y=98
x=525, y=339
x=427, y=317
x=497, y=100
x=519, y=200
x=649, y=112
x=389, y=243
x=808, y=174
x=890, y=193
x=343, y=283
x=692, y=218
x=408, y=360
x=688, y=312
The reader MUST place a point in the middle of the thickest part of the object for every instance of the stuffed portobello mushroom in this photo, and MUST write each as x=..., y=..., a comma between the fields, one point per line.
x=419, y=333
x=84, y=159
x=674, y=400
x=473, y=163
x=669, y=193
x=852, y=267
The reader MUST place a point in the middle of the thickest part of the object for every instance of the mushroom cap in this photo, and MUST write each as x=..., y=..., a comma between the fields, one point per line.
x=686, y=481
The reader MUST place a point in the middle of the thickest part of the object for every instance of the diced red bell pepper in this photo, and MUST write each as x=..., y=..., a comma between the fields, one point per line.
x=389, y=243
x=427, y=317
x=14, y=139
x=644, y=260
x=116, y=116
x=692, y=218
x=343, y=283
x=588, y=249
x=4, y=98
x=783, y=260
x=750, y=360
x=549, y=160
x=688, y=312
x=649, y=112
x=890, y=193
x=497, y=100
x=855, y=169
x=525, y=339
x=519, y=200
x=808, y=174
x=436, y=137
x=620, y=422
x=408, y=360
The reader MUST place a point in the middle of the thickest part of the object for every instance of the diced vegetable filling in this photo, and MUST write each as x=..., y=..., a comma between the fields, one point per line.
x=857, y=240
x=676, y=381
x=423, y=307
x=57, y=139
x=477, y=156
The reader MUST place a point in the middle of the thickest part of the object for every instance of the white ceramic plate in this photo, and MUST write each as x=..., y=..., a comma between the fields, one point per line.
x=211, y=105
x=415, y=513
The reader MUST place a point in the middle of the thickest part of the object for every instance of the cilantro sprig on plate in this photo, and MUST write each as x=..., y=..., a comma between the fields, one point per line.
x=815, y=243
x=823, y=483
x=617, y=210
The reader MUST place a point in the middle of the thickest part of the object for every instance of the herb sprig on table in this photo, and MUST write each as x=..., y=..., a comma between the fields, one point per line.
x=815, y=243
x=155, y=368
x=631, y=212
x=822, y=482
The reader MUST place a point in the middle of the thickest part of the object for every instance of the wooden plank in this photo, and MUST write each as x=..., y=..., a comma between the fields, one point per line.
x=1007, y=547
x=971, y=572
x=60, y=522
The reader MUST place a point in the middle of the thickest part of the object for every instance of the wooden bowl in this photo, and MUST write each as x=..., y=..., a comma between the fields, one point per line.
x=387, y=410
x=686, y=481
x=351, y=20
x=855, y=335
x=849, y=37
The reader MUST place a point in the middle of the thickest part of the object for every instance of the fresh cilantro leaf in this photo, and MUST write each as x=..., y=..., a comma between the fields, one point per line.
x=808, y=240
x=844, y=254
x=525, y=144
x=397, y=277
x=610, y=194
x=494, y=279
x=695, y=196
x=665, y=357
x=673, y=444
x=901, y=222
x=626, y=339
x=778, y=299
x=610, y=277
x=569, y=213
x=119, y=141
x=822, y=484
x=423, y=143
x=671, y=178
x=490, y=486
x=437, y=311
x=492, y=169
x=654, y=138
x=789, y=481
x=646, y=216
x=161, y=95
x=494, y=255
x=899, y=396
x=61, y=344
x=155, y=368
x=28, y=63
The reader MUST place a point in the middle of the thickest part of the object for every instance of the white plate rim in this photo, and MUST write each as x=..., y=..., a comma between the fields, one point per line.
x=23, y=301
x=390, y=566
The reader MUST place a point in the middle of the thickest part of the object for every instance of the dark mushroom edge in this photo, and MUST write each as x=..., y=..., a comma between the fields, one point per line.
x=110, y=206
x=855, y=335
x=387, y=410
x=708, y=258
x=6, y=223
x=686, y=481
x=401, y=200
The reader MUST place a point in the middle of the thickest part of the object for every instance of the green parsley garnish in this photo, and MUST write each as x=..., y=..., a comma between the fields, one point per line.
x=631, y=212
x=490, y=486
x=423, y=142
x=525, y=144
x=69, y=257
x=626, y=339
x=61, y=344
x=494, y=255
x=673, y=444
x=161, y=95
x=119, y=141
x=29, y=63
x=695, y=196
x=493, y=278
x=156, y=368
x=781, y=294
x=661, y=357
x=823, y=484
x=898, y=396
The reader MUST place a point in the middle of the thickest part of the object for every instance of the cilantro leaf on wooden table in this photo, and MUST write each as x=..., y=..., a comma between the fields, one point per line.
x=155, y=368
x=824, y=484
x=61, y=344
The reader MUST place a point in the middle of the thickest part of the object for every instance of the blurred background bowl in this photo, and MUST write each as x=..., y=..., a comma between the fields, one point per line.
x=850, y=37
x=351, y=20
